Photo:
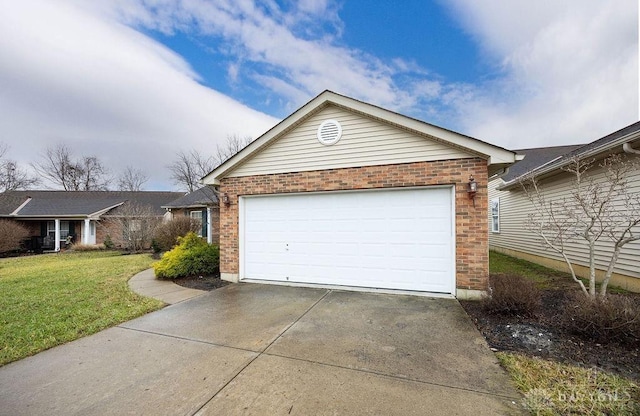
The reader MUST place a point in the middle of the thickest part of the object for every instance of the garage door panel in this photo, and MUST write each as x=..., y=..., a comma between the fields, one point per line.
x=394, y=239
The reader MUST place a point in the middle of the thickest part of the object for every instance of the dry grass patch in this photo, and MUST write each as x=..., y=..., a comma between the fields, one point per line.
x=551, y=388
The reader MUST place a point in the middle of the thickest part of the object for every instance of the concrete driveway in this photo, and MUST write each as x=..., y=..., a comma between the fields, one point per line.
x=271, y=350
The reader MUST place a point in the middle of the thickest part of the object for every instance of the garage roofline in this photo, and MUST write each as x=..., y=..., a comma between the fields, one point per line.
x=494, y=155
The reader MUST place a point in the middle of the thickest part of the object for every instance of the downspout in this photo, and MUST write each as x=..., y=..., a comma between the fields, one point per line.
x=628, y=149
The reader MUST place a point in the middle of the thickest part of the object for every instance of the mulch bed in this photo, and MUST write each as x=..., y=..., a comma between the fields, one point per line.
x=206, y=282
x=543, y=336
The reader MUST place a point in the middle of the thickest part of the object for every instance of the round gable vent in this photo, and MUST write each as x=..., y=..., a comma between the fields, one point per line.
x=329, y=132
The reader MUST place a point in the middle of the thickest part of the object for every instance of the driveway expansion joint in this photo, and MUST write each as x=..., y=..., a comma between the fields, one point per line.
x=391, y=376
x=199, y=341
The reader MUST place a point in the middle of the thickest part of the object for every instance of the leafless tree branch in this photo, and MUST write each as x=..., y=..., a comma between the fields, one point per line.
x=598, y=209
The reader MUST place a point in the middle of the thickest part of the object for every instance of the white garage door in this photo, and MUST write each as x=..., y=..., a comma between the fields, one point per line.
x=388, y=239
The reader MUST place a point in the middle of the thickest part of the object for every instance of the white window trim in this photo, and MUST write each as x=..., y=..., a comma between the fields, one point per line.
x=198, y=217
x=64, y=229
x=495, y=215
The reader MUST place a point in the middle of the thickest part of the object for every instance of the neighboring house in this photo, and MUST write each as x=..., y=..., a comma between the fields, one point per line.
x=344, y=193
x=510, y=207
x=56, y=218
x=201, y=205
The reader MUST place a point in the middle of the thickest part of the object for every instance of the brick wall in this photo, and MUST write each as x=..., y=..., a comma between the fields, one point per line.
x=472, y=255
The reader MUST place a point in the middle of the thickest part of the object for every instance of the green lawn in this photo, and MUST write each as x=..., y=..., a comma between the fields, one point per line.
x=552, y=388
x=51, y=299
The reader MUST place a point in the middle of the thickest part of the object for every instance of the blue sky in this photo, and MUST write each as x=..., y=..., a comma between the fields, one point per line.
x=420, y=32
x=136, y=81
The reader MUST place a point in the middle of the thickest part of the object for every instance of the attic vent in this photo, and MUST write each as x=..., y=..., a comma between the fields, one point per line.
x=329, y=132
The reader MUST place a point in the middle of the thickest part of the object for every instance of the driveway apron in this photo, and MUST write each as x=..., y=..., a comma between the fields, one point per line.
x=269, y=350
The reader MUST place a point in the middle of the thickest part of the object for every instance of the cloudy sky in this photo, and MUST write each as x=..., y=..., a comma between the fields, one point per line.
x=135, y=81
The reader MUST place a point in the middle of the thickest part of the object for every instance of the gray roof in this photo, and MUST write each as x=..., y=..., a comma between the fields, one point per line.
x=536, y=157
x=78, y=203
x=202, y=197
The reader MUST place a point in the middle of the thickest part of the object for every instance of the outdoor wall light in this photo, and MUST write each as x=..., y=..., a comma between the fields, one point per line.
x=472, y=188
x=225, y=199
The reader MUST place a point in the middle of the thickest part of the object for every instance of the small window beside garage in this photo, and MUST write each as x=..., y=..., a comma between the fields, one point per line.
x=329, y=132
x=495, y=215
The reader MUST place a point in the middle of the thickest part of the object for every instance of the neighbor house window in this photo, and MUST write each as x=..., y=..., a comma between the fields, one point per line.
x=197, y=216
x=495, y=215
x=64, y=230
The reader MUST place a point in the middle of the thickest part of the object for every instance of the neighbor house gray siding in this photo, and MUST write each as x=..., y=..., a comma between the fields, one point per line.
x=515, y=208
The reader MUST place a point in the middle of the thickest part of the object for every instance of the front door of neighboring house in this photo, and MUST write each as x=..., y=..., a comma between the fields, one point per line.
x=92, y=233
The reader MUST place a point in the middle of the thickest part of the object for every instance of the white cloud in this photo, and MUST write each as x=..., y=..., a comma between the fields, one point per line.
x=564, y=71
x=69, y=75
x=569, y=70
x=271, y=39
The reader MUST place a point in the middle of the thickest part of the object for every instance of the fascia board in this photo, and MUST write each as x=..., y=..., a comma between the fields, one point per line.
x=213, y=178
x=17, y=210
x=98, y=213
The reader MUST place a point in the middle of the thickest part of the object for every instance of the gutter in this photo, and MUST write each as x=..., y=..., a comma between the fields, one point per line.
x=628, y=149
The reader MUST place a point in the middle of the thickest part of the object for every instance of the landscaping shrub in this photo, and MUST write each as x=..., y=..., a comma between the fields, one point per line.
x=108, y=243
x=167, y=233
x=12, y=235
x=615, y=318
x=192, y=256
x=512, y=294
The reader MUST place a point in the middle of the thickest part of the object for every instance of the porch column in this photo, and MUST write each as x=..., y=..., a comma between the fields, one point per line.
x=57, y=233
x=86, y=231
x=209, y=236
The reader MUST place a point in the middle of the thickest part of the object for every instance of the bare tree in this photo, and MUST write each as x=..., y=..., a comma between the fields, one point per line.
x=189, y=168
x=12, y=176
x=136, y=223
x=132, y=179
x=233, y=145
x=599, y=209
x=84, y=174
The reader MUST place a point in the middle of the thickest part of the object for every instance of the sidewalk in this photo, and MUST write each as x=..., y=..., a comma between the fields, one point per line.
x=146, y=284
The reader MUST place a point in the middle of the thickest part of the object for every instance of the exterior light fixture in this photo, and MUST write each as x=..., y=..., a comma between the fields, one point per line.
x=225, y=199
x=472, y=188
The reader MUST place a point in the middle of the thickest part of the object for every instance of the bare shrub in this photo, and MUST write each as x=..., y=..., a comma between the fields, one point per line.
x=512, y=295
x=12, y=235
x=87, y=247
x=615, y=318
x=166, y=235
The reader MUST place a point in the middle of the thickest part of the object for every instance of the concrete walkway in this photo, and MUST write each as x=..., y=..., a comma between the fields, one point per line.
x=146, y=284
x=251, y=349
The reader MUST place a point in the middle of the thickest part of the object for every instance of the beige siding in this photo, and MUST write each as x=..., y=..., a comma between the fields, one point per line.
x=513, y=235
x=365, y=142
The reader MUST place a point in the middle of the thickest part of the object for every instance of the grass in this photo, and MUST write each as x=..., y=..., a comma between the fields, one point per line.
x=543, y=276
x=48, y=300
x=551, y=388
x=559, y=389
